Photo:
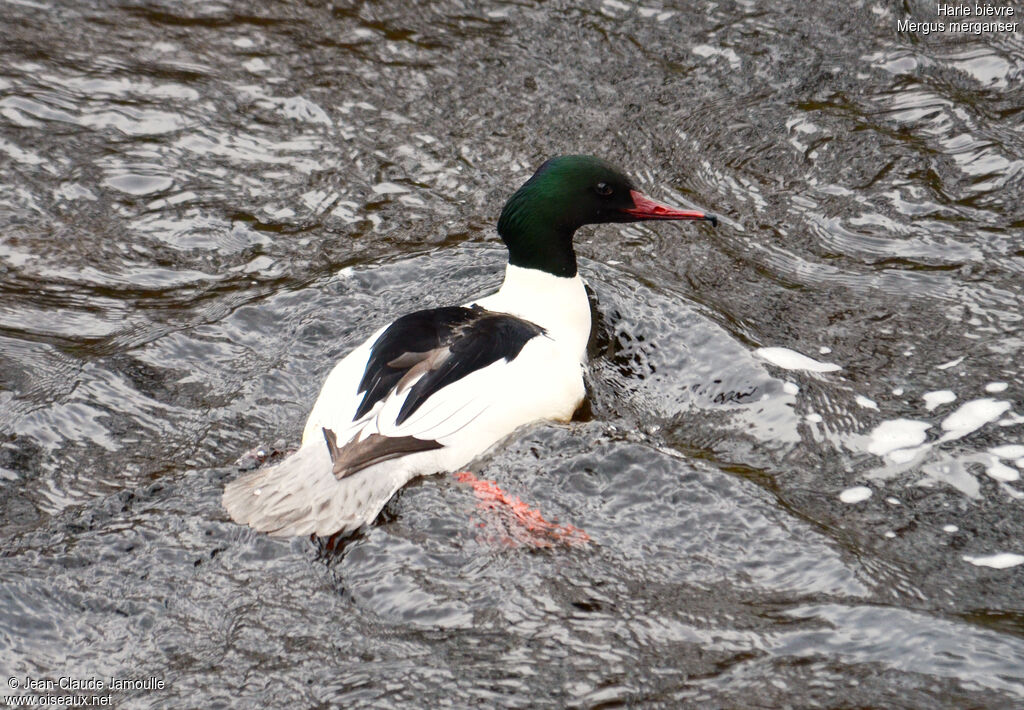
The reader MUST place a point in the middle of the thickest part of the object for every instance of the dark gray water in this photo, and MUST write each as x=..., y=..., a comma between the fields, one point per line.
x=203, y=206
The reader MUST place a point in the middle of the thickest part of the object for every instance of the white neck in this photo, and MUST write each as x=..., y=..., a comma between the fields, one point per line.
x=556, y=303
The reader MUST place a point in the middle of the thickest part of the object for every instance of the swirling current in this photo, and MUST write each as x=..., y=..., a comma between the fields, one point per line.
x=799, y=465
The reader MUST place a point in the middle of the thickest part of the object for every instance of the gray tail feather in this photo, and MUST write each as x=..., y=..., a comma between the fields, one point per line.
x=290, y=498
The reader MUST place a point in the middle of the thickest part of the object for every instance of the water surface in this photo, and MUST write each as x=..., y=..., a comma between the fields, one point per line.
x=203, y=206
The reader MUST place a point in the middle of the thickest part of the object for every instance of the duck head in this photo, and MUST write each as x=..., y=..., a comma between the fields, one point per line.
x=566, y=193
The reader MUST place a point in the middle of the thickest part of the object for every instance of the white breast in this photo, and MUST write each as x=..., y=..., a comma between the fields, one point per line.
x=555, y=303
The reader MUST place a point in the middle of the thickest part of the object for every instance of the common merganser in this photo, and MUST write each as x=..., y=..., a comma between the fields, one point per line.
x=436, y=388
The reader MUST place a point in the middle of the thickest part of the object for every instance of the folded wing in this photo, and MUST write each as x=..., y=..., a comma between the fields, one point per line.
x=401, y=403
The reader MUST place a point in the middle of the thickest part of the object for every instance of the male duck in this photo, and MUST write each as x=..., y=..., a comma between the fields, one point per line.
x=436, y=388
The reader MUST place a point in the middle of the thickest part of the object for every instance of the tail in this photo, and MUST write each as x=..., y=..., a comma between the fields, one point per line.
x=302, y=496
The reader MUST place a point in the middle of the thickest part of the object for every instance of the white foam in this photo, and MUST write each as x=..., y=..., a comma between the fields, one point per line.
x=1001, y=560
x=256, y=65
x=1019, y=463
x=1002, y=472
x=389, y=188
x=952, y=472
x=1009, y=451
x=938, y=398
x=950, y=528
x=897, y=434
x=890, y=534
x=857, y=494
x=951, y=363
x=892, y=501
x=897, y=391
x=705, y=50
x=908, y=455
x=1011, y=419
x=865, y=402
x=1011, y=491
x=790, y=388
x=792, y=360
x=813, y=418
x=824, y=350
x=972, y=416
x=995, y=387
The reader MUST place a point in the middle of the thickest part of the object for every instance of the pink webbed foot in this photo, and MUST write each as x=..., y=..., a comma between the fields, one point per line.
x=524, y=524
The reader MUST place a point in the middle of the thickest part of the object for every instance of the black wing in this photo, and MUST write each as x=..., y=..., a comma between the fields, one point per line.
x=445, y=344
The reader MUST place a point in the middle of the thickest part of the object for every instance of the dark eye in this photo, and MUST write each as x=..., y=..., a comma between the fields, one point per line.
x=603, y=189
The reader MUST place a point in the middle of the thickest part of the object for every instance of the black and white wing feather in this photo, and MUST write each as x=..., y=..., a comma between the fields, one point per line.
x=434, y=348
